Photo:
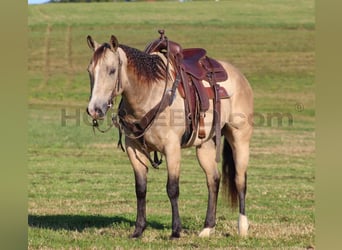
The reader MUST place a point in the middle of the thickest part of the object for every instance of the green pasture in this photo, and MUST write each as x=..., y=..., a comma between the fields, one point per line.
x=81, y=186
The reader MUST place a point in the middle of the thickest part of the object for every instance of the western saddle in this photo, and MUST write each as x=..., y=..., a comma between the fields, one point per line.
x=192, y=67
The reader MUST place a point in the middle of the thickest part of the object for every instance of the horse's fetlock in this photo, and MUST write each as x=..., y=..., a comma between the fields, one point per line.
x=140, y=194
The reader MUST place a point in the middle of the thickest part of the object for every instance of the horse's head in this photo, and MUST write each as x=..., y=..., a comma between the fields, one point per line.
x=104, y=72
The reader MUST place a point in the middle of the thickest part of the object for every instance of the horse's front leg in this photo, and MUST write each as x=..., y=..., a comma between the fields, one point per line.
x=138, y=161
x=173, y=155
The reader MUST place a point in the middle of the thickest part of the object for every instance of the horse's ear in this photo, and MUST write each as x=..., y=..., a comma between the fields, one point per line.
x=91, y=43
x=114, y=44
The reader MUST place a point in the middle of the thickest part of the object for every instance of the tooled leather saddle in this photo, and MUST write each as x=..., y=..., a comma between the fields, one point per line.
x=192, y=67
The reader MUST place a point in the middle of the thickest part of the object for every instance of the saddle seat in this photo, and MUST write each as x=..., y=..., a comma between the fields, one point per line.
x=191, y=62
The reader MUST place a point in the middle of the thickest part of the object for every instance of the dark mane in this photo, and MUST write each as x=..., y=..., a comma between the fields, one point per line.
x=147, y=68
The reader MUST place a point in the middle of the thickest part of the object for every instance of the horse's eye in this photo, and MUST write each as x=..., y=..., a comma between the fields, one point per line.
x=111, y=71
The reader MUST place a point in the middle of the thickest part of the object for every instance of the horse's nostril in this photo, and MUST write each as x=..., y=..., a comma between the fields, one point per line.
x=98, y=112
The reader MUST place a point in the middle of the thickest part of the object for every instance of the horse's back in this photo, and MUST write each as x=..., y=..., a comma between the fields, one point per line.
x=238, y=88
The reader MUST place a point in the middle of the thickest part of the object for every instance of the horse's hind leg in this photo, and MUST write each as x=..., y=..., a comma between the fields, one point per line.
x=241, y=160
x=206, y=154
x=234, y=170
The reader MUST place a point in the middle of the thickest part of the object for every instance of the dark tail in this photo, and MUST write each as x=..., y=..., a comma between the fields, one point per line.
x=228, y=175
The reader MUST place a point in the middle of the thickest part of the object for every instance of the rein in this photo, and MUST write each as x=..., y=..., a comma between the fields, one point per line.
x=95, y=124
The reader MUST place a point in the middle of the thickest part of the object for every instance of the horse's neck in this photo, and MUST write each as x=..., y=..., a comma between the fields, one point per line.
x=139, y=98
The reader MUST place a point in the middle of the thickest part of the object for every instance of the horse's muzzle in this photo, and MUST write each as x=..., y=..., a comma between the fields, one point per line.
x=96, y=113
x=98, y=110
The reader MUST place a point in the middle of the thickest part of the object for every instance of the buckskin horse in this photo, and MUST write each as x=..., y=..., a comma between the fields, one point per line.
x=172, y=98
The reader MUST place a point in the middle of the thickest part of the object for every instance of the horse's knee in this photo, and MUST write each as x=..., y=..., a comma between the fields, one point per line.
x=140, y=191
x=172, y=188
x=140, y=187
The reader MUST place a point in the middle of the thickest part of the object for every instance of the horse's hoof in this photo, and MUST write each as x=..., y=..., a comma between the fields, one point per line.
x=174, y=236
x=135, y=235
x=206, y=232
x=243, y=225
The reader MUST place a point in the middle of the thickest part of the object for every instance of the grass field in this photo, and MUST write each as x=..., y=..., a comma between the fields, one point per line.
x=81, y=187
